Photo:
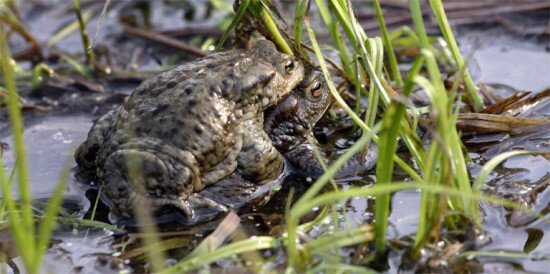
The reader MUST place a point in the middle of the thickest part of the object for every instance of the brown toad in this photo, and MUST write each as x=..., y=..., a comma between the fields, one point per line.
x=288, y=124
x=189, y=128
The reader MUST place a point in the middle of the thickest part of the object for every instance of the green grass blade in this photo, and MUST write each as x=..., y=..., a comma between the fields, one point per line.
x=84, y=34
x=243, y=6
x=340, y=239
x=301, y=11
x=345, y=21
x=259, y=10
x=394, y=66
x=340, y=268
x=49, y=219
x=377, y=54
x=387, y=147
x=366, y=59
x=70, y=28
x=375, y=190
x=8, y=183
x=189, y=264
x=445, y=164
x=418, y=22
x=505, y=254
x=76, y=65
x=491, y=165
x=334, y=31
x=89, y=223
x=27, y=222
x=15, y=222
x=333, y=169
x=439, y=12
x=334, y=93
x=38, y=71
x=341, y=101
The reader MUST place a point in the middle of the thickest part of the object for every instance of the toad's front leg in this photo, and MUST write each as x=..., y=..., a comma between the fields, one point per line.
x=306, y=157
x=259, y=161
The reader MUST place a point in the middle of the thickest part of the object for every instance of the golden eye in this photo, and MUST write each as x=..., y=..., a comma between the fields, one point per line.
x=289, y=66
x=316, y=89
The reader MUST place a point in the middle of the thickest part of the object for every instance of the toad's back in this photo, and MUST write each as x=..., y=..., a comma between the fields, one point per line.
x=185, y=129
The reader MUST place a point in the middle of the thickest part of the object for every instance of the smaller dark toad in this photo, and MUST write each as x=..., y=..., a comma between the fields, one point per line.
x=289, y=125
x=188, y=128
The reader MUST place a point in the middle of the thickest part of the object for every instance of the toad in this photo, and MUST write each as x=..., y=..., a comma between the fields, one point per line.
x=188, y=128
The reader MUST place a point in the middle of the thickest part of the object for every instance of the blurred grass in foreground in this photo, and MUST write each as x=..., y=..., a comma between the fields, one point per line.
x=32, y=237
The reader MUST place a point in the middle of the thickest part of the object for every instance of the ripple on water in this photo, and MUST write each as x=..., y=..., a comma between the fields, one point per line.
x=50, y=142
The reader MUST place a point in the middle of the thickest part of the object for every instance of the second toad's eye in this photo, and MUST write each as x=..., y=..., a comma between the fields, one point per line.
x=314, y=91
x=289, y=66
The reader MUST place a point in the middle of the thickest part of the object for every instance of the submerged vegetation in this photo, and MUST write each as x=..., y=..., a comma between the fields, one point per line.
x=449, y=195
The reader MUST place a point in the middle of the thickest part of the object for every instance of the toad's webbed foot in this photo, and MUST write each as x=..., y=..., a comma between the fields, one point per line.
x=196, y=207
x=198, y=203
x=238, y=192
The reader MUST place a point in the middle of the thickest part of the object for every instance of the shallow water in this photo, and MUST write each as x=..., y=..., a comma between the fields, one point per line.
x=50, y=142
x=499, y=57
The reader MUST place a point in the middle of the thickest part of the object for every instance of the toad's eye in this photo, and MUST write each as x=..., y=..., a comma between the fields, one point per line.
x=289, y=66
x=314, y=92
x=316, y=89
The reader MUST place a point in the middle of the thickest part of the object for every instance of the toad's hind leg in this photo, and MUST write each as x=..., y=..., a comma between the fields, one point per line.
x=259, y=160
x=140, y=178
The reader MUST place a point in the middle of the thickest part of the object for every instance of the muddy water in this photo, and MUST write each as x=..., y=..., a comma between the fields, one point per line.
x=50, y=142
x=499, y=57
x=523, y=65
